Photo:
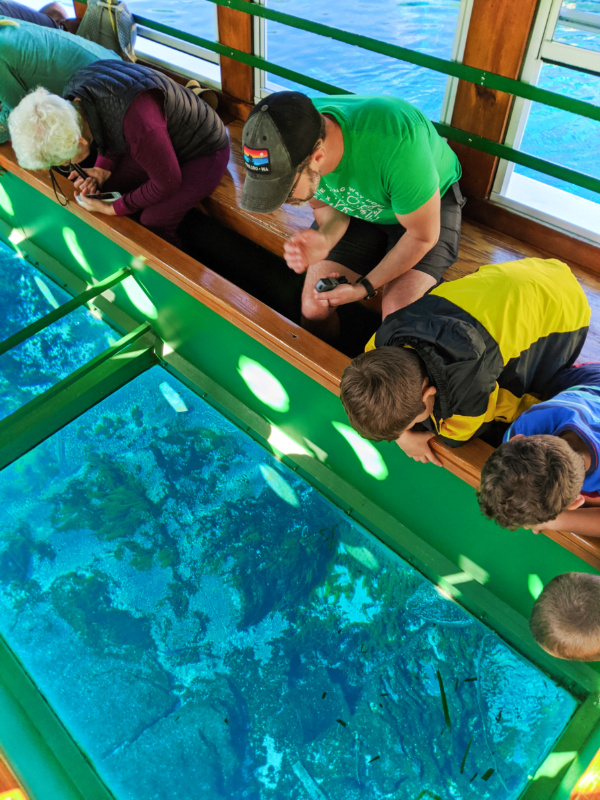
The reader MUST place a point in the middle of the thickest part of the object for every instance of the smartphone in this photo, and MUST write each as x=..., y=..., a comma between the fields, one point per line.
x=327, y=284
x=105, y=197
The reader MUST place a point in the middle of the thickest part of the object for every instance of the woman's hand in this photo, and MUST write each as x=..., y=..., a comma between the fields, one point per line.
x=97, y=206
x=93, y=183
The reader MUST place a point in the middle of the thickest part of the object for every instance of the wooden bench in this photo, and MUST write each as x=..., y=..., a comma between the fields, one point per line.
x=301, y=349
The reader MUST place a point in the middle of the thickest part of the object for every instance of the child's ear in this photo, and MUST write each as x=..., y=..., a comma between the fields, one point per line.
x=577, y=503
x=428, y=391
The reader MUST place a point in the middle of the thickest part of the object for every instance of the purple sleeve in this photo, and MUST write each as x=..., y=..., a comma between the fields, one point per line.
x=107, y=162
x=145, y=131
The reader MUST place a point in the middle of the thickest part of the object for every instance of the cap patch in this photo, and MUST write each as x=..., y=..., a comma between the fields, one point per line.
x=257, y=160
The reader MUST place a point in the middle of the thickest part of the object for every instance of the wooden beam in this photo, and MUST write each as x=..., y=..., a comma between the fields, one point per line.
x=482, y=111
x=235, y=30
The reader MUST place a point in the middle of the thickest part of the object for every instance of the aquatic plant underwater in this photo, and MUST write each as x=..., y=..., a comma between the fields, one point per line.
x=207, y=625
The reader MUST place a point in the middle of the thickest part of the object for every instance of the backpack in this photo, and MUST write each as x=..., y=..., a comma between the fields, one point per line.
x=110, y=24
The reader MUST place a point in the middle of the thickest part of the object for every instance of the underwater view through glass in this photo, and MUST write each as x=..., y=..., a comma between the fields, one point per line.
x=40, y=362
x=207, y=625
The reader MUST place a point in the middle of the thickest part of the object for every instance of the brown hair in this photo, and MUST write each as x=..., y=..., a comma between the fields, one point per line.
x=382, y=392
x=530, y=480
x=565, y=619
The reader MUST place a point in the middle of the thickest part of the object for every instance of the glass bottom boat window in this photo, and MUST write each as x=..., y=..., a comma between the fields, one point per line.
x=46, y=358
x=207, y=625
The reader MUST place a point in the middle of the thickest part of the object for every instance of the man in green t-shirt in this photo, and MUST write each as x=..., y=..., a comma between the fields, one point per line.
x=383, y=187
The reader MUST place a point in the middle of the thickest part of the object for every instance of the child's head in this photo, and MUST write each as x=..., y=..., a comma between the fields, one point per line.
x=530, y=480
x=384, y=392
x=565, y=620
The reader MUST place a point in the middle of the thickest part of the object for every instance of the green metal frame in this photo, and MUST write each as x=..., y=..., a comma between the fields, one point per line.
x=62, y=311
x=64, y=402
x=491, y=80
x=213, y=370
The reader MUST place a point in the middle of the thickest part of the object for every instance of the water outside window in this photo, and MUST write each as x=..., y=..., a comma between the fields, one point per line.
x=207, y=625
x=193, y=16
x=37, y=364
x=428, y=27
x=560, y=136
x=579, y=24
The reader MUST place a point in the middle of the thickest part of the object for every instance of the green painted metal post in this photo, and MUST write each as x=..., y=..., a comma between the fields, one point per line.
x=87, y=386
x=62, y=311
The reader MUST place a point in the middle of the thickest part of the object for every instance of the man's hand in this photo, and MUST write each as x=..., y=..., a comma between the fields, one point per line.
x=305, y=248
x=416, y=446
x=342, y=294
x=92, y=184
x=97, y=206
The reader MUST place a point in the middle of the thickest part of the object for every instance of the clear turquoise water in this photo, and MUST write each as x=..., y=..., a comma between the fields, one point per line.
x=39, y=363
x=207, y=625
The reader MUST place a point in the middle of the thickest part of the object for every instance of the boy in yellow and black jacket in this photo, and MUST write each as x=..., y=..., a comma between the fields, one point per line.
x=473, y=351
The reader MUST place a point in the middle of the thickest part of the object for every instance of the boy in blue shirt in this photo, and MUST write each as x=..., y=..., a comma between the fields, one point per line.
x=546, y=474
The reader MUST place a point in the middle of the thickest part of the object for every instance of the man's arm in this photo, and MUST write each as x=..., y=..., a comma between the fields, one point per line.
x=311, y=246
x=422, y=233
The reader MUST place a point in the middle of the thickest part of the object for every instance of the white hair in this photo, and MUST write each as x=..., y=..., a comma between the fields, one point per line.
x=44, y=129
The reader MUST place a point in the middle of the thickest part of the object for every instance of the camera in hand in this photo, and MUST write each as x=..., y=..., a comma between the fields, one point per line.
x=327, y=284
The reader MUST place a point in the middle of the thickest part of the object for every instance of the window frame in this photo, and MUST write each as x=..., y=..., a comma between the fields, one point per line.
x=542, y=49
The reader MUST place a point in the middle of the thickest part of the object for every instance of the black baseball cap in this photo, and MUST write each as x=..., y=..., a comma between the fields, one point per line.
x=280, y=132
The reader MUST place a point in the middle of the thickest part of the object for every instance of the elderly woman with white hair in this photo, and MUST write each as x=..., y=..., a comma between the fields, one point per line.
x=159, y=144
x=32, y=56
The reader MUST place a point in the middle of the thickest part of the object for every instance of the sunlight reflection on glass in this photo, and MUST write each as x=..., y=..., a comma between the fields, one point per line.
x=368, y=455
x=535, y=585
x=284, y=444
x=6, y=202
x=46, y=293
x=70, y=238
x=139, y=298
x=17, y=236
x=279, y=485
x=554, y=764
x=263, y=384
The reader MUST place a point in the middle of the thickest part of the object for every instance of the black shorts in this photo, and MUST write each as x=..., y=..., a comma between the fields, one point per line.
x=364, y=244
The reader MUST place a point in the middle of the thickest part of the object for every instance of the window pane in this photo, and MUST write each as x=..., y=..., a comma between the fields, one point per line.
x=579, y=24
x=562, y=137
x=208, y=626
x=40, y=362
x=27, y=294
x=428, y=27
x=193, y=16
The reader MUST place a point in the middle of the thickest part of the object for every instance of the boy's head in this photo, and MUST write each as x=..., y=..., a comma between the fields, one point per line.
x=530, y=480
x=386, y=391
x=565, y=620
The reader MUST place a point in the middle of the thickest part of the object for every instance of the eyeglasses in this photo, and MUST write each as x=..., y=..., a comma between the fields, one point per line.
x=295, y=184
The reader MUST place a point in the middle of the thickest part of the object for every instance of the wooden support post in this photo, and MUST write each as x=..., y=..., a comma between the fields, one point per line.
x=496, y=41
x=235, y=30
